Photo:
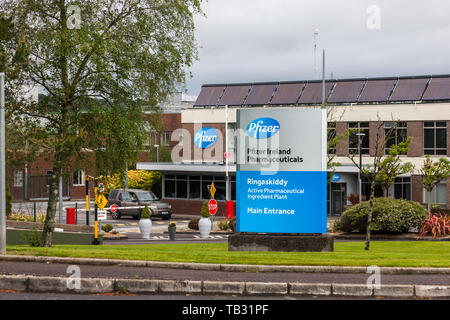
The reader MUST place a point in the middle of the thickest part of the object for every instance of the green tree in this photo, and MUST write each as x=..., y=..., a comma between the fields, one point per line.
x=392, y=166
x=13, y=54
x=384, y=168
x=100, y=63
x=433, y=173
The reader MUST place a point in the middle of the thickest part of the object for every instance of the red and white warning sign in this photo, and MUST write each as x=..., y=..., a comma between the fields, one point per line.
x=212, y=206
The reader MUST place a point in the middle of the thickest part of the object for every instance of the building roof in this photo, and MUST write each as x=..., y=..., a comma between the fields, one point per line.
x=427, y=88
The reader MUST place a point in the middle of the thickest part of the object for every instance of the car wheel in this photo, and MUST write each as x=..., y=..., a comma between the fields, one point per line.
x=116, y=215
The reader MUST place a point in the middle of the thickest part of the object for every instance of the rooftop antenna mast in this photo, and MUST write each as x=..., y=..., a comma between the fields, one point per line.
x=316, y=69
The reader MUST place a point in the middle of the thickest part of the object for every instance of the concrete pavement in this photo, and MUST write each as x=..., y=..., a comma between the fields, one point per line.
x=44, y=274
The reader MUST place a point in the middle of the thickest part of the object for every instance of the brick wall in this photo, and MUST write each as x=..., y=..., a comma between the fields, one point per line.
x=193, y=207
x=415, y=130
x=342, y=147
x=374, y=126
x=214, y=152
x=417, y=189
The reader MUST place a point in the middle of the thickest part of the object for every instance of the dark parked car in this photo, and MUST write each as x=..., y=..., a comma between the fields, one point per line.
x=124, y=198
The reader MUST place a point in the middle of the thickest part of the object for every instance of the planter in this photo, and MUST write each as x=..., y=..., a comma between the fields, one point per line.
x=145, y=225
x=172, y=232
x=204, y=225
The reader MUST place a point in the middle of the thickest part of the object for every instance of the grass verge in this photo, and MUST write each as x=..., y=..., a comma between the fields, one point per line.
x=388, y=254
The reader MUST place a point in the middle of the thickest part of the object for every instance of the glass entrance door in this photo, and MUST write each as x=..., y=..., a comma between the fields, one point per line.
x=338, y=199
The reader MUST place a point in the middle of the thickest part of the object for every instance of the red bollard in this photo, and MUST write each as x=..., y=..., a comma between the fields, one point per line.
x=70, y=215
x=229, y=209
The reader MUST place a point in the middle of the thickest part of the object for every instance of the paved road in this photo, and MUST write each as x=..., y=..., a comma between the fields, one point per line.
x=189, y=297
x=118, y=272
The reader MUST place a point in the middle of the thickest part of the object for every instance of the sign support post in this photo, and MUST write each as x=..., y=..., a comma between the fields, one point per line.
x=96, y=214
x=2, y=166
x=87, y=200
x=212, y=190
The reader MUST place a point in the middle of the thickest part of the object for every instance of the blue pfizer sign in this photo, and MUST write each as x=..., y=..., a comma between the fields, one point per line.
x=205, y=137
x=263, y=128
x=281, y=171
x=336, y=177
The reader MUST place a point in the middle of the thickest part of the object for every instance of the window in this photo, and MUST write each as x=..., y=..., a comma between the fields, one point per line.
x=169, y=187
x=78, y=178
x=232, y=142
x=435, y=138
x=182, y=187
x=153, y=138
x=197, y=187
x=165, y=138
x=233, y=188
x=402, y=188
x=331, y=136
x=438, y=195
x=206, y=184
x=353, y=140
x=365, y=189
x=194, y=187
x=113, y=194
x=398, y=134
x=18, y=178
x=125, y=196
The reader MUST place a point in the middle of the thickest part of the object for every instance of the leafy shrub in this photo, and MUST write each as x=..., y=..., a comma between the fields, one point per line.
x=145, y=180
x=137, y=179
x=107, y=227
x=223, y=225
x=205, y=210
x=389, y=216
x=232, y=224
x=353, y=198
x=20, y=216
x=193, y=224
x=435, y=206
x=146, y=214
x=33, y=238
x=437, y=225
x=338, y=226
x=228, y=225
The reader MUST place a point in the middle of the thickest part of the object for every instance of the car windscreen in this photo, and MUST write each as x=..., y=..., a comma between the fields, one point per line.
x=125, y=196
x=146, y=196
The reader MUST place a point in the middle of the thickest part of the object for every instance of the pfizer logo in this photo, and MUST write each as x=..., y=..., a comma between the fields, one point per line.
x=206, y=137
x=263, y=128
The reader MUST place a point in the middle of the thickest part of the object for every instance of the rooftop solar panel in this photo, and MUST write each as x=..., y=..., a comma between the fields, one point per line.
x=260, y=94
x=346, y=91
x=438, y=89
x=377, y=91
x=234, y=95
x=288, y=93
x=209, y=96
x=409, y=89
x=313, y=92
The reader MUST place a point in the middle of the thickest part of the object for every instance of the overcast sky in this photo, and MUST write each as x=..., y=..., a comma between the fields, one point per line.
x=272, y=40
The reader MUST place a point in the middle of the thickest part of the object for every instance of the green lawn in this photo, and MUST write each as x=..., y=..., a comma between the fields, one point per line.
x=392, y=254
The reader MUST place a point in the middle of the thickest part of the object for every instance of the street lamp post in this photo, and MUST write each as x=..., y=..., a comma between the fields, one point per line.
x=227, y=177
x=360, y=137
x=2, y=166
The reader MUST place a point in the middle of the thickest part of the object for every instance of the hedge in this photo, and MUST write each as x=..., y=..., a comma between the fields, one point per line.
x=389, y=216
x=137, y=179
